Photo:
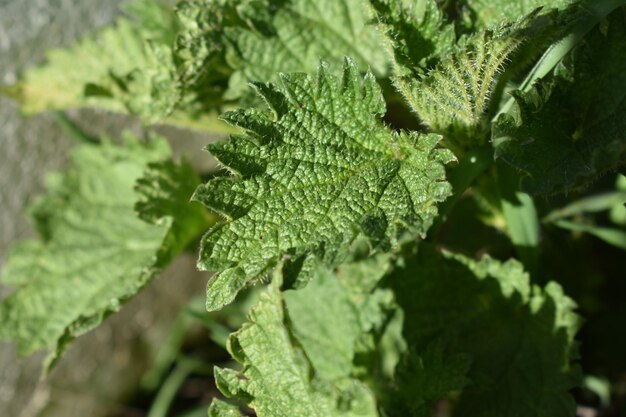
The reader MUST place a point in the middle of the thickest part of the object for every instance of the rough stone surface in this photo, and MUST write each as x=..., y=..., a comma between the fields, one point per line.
x=103, y=366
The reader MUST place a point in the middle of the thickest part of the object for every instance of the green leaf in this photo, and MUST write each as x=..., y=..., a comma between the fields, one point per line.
x=487, y=13
x=329, y=346
x=220, y=408
x=61, y=84
x=570, y=128
x=615, y=237
x=311, y=175
x=416, y=33
x=164, y=192
x=254, y=40
x=220, y=45
x=519, y=338
x=520, y=214
x=380, y=344
x=303, y=32
x=592, y=204
x=94, y=252
x=128, y=68
x=426, y=377
x=106, y=61
x=453, y=98
x=278, y=379
x=338, y=318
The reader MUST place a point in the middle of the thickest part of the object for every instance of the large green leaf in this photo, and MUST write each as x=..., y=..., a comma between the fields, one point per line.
x=570, y=128
x=94, y=252
x=312, y=174
x=518, y=338
x=281, y=378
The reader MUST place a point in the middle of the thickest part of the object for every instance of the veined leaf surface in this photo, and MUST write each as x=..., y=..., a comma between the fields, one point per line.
x=312, y=174
x=518, y=338
x=95, y=253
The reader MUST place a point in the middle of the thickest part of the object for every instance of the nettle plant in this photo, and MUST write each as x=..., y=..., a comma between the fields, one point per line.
x=383, y=187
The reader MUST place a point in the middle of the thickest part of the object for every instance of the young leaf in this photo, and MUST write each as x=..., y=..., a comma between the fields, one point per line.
x=453, y=98
x=570, y=128
x=94, y=252
x=277, y=379
x=313, y=173
x=519, y=338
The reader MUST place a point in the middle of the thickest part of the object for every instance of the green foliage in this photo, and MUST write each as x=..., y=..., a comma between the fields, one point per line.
x=478, y=328
x=120, y=68
x=518, y=338
x=185, y=67
x=94, y=253
x=453, y=98
x=164, y=192
x=416, y=33
x=576, y=216
x=315, y=171
x=226, y=44
x=280, y=378
x=387, y=291
x=298, y=35
x=485, y=13
x=570, y=127
x=220, y=408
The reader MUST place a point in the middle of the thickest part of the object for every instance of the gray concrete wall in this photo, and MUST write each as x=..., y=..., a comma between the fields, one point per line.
x=105, y=365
